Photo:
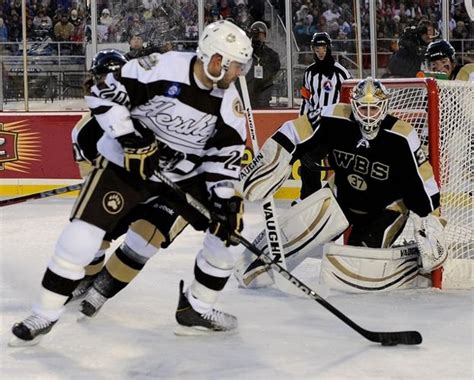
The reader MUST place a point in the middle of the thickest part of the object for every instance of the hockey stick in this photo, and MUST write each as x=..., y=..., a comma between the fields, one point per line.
x=272, y=228
x=43, y=194
x=385, y=338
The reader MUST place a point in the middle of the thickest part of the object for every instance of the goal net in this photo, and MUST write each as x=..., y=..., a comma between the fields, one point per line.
x=442, y=112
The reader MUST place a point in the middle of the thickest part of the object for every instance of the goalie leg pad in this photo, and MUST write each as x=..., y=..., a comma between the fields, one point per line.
x=266, y=173
x=304, y=228
x=360, y=269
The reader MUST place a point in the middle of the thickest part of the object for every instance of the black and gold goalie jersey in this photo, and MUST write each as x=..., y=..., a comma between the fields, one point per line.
x=390, y=170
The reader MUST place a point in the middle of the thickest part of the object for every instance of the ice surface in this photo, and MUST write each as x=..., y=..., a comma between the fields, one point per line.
x=281, y=336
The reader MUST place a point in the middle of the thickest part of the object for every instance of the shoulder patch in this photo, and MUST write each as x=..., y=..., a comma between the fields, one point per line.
x=340, y=110
x=238, y=107
x=402, y=127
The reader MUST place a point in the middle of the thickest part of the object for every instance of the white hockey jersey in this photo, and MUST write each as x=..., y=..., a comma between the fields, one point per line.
x=198, y=130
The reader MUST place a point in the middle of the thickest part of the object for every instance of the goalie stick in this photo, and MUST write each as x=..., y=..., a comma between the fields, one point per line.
x=43, y=194
x=391, y=338
x=272, y=228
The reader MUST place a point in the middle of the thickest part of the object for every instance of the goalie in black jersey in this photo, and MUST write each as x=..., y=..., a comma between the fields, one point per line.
x=178, y=113
x=381, y=176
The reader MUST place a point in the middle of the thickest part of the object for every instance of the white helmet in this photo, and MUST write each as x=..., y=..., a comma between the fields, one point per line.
x=228, y=40
x=369, y=101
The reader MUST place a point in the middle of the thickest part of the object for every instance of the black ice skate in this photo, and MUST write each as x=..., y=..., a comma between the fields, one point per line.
x=193, y=323
x=93, y=302
x=81, y=289
x=30, y=331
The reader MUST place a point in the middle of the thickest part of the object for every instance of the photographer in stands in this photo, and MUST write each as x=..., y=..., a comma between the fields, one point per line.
x=406, y=62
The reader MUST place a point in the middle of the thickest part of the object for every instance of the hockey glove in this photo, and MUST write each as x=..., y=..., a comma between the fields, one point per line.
x=226, y=218
x=430, y=239
x=141, y=155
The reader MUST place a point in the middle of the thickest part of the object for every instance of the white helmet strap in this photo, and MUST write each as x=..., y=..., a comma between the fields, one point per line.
x=205, y=63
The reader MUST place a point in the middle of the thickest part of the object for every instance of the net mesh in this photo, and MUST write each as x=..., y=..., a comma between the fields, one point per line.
x=455, y=102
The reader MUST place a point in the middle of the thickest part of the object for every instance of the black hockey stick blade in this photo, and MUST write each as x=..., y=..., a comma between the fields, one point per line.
x=43, y=194
x=394, y=338
x=385, y=338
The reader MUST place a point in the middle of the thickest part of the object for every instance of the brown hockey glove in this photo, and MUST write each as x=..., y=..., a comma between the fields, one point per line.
x=141, y=154
x=226, y=215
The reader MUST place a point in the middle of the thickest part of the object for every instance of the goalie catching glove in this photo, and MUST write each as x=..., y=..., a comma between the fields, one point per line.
x=430, y=239
x=141, y=154
x=226, y=218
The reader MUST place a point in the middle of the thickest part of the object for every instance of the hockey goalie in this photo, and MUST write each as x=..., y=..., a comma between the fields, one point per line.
x=382, y=179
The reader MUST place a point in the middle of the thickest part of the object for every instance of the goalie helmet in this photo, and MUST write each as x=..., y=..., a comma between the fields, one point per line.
x=438, y=50
x=369, y=101
x=229, y=41
x=107, y=61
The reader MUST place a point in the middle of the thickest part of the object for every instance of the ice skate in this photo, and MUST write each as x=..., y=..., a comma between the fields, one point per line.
x=92, y=303
x=30, y=331
x=81, y=289
x=192, y=322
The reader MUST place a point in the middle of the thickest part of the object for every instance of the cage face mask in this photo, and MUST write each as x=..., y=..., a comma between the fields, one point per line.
x=369, y=101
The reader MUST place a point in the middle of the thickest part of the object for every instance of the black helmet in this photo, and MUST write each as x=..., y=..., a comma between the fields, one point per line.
x=439, y=49
x=107, y=61
x=320, y=39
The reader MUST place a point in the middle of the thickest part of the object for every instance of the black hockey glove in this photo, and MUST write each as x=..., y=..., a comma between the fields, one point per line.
x=226, y=215
x=141, y=155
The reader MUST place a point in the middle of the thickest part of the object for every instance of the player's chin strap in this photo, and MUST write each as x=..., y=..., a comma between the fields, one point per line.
x=385, y=338
x=205, y=64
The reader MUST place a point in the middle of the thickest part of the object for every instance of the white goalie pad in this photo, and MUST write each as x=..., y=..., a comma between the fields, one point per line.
x=304, y=229
x=266, y=173
x=431, y=241
x=361, y=269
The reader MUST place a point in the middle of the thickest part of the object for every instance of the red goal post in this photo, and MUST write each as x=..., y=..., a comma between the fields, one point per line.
x=442, y=112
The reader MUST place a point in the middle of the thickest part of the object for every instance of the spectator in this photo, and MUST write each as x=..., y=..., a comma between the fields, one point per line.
x=265, y=65
x=63, y=30
x=3, y=33
x=105, y=18
x=406, y=62
x=42, y=20
x=136, y=46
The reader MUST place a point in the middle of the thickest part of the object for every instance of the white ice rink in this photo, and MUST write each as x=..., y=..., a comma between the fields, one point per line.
x=281, y=336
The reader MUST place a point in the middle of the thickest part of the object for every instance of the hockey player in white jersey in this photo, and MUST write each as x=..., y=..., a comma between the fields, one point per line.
x=181, y=114
x=381, y=176
x=149, y=227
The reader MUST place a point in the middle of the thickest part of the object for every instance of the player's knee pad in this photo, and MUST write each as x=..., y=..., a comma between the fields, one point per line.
x=75, y=249
x=360, y=269
x=144, y=238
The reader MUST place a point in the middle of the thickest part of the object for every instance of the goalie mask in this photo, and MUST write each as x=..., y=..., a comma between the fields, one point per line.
x=369, y=101
x=229, y=41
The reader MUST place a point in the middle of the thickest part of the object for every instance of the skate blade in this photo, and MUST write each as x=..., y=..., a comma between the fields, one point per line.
x=201, y=331
x=17, y=342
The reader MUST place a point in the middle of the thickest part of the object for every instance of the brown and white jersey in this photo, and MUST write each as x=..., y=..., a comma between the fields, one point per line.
x=389, y=171
x=199, y=130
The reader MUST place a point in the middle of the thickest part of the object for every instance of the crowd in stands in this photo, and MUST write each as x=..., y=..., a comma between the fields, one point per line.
x=162, y=21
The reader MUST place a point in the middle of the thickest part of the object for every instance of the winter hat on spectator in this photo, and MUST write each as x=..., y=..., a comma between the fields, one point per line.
x=105, y=11
x=259, y=26
x=74, y=15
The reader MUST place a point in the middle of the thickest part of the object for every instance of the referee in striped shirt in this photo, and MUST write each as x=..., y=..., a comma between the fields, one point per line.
x=321, y=87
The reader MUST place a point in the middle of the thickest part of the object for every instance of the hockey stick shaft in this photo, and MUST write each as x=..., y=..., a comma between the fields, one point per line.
x=40, y=195
x=386, y=338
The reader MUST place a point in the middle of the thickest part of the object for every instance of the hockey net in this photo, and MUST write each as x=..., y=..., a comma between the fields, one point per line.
x=442, y=112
